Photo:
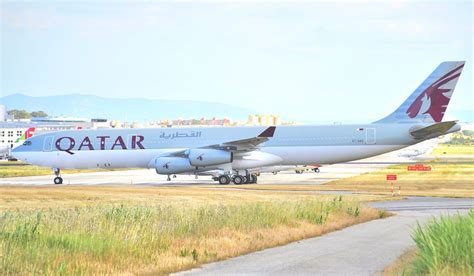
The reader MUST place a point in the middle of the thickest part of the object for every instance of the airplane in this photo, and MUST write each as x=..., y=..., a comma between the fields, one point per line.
x=27, y=134
x=421, y=149
x=236, y=151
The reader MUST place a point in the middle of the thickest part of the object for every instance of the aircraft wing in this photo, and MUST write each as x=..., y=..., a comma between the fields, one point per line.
x=433, y=130
x=248, y=144
x=243, y=145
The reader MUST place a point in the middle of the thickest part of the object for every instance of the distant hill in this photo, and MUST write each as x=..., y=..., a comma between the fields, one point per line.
x=134, y=109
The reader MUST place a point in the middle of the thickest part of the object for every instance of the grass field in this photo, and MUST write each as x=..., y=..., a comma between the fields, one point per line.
x=16, y=169
x=445, y=246
x=130, y=229
x=448, y=180
x=447, y=149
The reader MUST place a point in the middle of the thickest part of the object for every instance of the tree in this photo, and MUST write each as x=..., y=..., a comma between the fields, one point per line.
x=19, y=114
x=37, y=114
x=23, y=114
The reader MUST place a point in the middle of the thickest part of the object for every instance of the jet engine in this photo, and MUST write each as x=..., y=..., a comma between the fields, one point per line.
x=209, y=157
x=173, y=165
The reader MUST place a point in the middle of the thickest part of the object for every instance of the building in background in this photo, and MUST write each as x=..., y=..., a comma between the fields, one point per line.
x=3, y=113
x=264, y=120
x=48, y=124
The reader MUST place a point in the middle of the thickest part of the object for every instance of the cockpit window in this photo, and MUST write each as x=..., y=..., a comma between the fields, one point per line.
x=27, y=143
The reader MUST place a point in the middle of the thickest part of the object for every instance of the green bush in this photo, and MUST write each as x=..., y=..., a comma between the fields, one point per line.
x=445, y=246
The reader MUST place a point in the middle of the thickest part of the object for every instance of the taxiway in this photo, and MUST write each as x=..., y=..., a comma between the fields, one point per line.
x=364, y=249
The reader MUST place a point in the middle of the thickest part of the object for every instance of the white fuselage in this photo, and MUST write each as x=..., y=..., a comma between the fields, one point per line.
x=291, y=145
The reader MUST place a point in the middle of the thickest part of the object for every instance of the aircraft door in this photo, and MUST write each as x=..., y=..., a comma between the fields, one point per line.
x=48, y=143
x=370, y=136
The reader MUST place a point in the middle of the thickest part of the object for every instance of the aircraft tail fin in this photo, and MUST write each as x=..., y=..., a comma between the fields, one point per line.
x=428, y=103
x=28, y=134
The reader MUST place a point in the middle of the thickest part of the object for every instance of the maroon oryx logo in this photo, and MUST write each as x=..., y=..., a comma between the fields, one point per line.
x=434, y=100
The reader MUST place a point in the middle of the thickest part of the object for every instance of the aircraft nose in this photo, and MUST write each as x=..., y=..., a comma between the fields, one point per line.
x=17, y=149
x=18, y=153
x=15, y=152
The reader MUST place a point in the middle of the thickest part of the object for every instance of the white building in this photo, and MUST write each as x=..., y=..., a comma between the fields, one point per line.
x=3, y=113
x=8, y=135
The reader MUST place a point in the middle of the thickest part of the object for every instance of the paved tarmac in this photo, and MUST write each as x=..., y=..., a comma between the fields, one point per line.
x=364, y=249
x=149, y=177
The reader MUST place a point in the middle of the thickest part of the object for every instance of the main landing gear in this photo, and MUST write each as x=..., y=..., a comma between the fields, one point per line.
x=58, y=179
x=225, y=179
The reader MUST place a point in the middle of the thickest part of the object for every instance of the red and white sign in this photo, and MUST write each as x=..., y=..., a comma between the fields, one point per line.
x=419, y=167
x=391, y=177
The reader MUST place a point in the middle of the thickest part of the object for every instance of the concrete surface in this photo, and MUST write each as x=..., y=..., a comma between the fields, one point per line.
x=364, y=249
x=149, y=177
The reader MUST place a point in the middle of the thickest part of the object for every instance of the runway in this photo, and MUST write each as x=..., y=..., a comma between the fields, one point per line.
x=149, y=177
x=364, y=249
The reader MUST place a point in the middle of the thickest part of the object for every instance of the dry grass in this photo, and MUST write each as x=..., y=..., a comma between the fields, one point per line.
x=70, y=196
x=402, y=265
x=130, y=229
x=447, y=149
x=445, y=180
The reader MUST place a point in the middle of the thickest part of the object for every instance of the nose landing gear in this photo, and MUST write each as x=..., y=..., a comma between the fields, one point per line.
x=58, y=179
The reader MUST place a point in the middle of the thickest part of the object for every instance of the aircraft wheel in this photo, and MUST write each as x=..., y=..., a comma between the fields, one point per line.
x=253, y=179
x=58, y=180
x=274, y=173
x=316, y=170
x=238, y=180
x=224, y=179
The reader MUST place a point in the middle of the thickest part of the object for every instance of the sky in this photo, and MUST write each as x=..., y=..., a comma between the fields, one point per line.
x=312, y=61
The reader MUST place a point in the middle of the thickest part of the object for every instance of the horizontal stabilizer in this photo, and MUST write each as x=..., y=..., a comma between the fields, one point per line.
x=433, y=130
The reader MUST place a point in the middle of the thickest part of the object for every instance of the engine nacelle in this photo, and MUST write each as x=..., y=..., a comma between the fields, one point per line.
x=173, y=165
x=209, y=157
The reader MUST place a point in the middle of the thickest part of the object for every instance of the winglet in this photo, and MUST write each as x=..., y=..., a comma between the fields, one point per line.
x=268, y=133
